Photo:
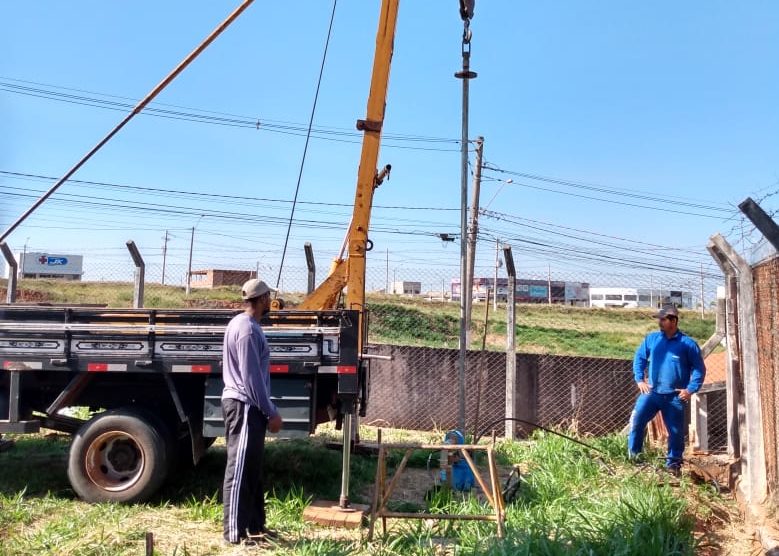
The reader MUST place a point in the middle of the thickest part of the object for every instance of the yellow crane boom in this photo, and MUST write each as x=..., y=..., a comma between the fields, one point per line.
x=349, y=272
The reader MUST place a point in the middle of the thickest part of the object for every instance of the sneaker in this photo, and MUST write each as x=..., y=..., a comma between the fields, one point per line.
x=244, y=541
x=264, y=534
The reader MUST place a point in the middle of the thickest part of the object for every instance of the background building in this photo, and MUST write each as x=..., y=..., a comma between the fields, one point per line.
x=214, y=277
x=406, y=287
x=638, y=297
x=528, y=291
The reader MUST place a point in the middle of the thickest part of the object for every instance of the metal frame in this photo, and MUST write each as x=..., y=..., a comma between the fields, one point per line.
x=382, y=491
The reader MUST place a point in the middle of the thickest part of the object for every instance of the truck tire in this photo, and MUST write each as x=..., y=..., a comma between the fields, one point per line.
x=121, y=455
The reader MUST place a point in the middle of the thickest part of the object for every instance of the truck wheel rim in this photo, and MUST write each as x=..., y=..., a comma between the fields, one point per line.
x=115, y=461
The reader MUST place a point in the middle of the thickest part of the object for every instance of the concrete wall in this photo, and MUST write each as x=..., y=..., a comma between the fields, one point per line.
x=418, y=389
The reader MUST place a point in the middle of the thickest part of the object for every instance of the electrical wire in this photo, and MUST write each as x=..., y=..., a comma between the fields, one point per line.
x=603, y=189
x=245, y=122
x=305, y=147
x=612, y=201
x=38, y=177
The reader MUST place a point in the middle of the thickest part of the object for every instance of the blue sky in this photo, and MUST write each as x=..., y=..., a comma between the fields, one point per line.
x=666, y=105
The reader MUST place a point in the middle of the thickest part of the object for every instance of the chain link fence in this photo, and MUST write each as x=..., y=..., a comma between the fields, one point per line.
x=573, y=366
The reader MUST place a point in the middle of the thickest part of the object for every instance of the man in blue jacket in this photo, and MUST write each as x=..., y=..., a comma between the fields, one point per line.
x=668, y=369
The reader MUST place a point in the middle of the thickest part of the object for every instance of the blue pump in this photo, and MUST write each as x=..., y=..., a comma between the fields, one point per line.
x=462, y=476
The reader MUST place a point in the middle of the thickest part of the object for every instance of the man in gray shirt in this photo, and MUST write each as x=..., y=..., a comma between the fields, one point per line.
x=248, y=412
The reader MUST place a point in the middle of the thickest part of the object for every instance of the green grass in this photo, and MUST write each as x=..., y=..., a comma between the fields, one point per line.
x=552, y=329
x=572, y=500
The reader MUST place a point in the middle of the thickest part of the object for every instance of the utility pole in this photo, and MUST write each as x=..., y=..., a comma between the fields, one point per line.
x=386, y=281
x=652, y=291
x=497, y=264
x=164, y=255
x=511, y=348
x=703, y=306
x=549, y=284
x=189, y=267
x=473, y=231
x=24, y=256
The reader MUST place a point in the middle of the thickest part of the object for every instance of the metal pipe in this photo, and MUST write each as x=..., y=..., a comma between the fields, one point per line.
x=138, y=108
x=10, y=294
x=466, y=75
x=343, y=500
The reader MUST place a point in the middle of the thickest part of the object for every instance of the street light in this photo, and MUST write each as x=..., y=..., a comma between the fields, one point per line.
x=503, y=183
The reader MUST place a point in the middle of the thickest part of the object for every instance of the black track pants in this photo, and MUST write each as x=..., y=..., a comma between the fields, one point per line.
x=242, y=492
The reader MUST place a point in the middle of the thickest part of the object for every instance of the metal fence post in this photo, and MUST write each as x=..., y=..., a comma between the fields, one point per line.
x=511, y=352
x=140, y=273
x=10, y=295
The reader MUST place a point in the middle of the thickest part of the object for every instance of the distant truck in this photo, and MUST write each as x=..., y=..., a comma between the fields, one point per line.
x=155, y=376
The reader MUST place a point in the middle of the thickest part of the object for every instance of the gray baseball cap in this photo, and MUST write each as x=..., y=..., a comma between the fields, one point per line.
x=667, y=311
x=254, y=288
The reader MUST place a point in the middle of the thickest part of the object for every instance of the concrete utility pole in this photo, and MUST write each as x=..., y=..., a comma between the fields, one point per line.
x=473, y=231
x=549, y=284
x=24, y=256
x=497, y=265
x=652, y=291
x=164, y=255
x=511, y=348
x=189, y=266
x=703, y=306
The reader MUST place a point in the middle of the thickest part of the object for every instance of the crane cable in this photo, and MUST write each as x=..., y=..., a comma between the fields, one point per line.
x=305, y=147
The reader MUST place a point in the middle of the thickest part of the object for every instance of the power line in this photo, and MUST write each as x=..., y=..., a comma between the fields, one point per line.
x=608, y=190
x=213, y=118
x=21, y=175
x=508, y=218
x=601, y=199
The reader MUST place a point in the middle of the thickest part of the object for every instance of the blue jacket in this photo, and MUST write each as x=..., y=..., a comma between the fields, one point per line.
x=672, y=363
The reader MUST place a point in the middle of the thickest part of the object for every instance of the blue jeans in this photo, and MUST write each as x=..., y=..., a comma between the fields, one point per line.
x=672, y=410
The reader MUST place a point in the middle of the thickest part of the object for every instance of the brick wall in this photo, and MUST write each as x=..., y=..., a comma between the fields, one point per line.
x=766, y=281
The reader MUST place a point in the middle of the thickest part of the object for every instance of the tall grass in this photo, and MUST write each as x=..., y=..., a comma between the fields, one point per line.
x=572, y=500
